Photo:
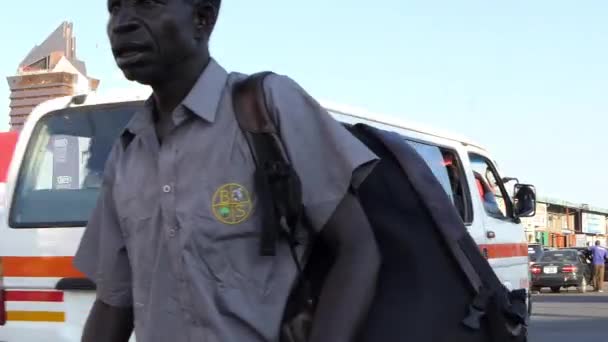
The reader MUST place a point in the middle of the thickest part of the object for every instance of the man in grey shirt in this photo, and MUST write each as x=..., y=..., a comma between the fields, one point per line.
x=173, y=244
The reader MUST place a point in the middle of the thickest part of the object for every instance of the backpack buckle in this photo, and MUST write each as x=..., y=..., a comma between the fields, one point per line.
x=473, y=319
x=477, y=310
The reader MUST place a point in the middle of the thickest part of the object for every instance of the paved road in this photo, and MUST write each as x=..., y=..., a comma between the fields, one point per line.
x=569, y=317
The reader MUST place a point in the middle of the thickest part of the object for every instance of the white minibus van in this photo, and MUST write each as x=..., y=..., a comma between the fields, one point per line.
x=53, y=183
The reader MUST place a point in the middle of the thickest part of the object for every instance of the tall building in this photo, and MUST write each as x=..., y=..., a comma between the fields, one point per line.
x=49, y=70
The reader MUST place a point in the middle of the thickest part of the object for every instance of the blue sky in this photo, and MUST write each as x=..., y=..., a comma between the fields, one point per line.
x=528, y=79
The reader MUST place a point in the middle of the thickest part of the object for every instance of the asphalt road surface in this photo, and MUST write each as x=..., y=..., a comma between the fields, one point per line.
x=569, y=316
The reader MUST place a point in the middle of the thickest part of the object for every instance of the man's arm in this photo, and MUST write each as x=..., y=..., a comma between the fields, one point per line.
x=108, y=324
x=350, y=284
x=330, y=161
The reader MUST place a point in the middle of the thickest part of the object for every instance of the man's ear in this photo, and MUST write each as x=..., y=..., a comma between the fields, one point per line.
x=205, y=16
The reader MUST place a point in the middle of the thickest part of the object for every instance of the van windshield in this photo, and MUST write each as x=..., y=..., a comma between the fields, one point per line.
x=60, y=176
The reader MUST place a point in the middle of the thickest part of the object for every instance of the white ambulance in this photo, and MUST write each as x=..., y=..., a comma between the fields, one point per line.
x=53, y=182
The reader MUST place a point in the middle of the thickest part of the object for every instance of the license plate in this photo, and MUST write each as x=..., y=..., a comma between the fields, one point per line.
x=550, y=270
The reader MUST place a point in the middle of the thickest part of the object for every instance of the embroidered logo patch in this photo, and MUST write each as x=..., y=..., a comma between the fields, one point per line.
x=231, y=204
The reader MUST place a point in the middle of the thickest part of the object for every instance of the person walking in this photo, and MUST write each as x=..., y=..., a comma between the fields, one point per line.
x=599, y=263
x=173, y=243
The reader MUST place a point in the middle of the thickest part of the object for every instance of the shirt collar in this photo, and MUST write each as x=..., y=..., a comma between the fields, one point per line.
x=203, y=99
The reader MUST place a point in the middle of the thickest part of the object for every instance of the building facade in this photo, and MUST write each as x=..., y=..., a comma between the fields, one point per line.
x=560, y=223
x=49, y=70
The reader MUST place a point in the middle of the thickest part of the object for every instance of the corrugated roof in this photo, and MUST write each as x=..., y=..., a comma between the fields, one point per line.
x=581, y=206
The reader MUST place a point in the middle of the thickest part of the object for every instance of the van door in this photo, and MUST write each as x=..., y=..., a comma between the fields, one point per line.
x=505, y=245
x=53, y=187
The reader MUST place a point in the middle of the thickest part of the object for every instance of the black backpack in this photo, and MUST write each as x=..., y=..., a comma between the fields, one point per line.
x=434, y=284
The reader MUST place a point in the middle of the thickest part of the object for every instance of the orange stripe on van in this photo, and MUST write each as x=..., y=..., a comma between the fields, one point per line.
x=36, y=316
x=54, y=267
x=505, y=250
x=62, y=267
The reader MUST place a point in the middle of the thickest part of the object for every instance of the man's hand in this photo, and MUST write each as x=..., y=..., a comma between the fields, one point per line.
x=108, y=324
x=350, y=284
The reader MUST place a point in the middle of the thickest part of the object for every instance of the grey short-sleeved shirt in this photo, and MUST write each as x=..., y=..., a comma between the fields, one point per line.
x=176, y=230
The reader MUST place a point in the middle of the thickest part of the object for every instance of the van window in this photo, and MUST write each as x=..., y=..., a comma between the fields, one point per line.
x=447, y=168
x=490, y=188
x=60, y=176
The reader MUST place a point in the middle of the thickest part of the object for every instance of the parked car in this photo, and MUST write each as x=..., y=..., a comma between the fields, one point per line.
x=561, y=268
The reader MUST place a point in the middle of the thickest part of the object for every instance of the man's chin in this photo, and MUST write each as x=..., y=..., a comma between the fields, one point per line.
x=139, y=75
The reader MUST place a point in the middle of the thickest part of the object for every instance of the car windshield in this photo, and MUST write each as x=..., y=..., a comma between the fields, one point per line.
x=60, y=175
x=559, y=256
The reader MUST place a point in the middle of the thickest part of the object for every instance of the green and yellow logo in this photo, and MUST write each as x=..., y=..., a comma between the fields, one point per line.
x=232, y=204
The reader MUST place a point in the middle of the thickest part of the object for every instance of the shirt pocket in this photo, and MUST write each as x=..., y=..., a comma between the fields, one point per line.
x=139, y=227
x=134, y=202
x=230, y=221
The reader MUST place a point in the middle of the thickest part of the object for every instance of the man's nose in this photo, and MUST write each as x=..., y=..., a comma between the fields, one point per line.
x=123, y=22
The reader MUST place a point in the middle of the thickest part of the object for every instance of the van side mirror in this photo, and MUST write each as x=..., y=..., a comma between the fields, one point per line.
x=524, y=200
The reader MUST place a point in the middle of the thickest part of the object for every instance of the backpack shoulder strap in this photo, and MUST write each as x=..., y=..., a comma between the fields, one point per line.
x=277, y=185
x=251, y=109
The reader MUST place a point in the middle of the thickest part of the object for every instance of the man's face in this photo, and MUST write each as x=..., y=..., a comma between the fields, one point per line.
x=150, y=38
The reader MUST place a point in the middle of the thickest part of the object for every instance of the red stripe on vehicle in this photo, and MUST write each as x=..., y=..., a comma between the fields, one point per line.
x=505, y=250
x=34, y=296
x=37, y=266
x=8, y=140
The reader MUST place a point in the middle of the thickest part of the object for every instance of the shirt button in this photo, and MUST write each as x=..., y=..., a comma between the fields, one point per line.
x=167, y=188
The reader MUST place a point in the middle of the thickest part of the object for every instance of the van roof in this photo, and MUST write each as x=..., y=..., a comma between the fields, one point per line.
x=359, y=113
x=141, y=94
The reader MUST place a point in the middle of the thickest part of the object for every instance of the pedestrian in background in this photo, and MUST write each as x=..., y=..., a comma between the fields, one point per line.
x=599, y=259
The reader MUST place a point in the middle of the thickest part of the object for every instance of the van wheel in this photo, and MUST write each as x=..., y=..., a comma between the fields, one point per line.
x=582, y=287
x=556, y=289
